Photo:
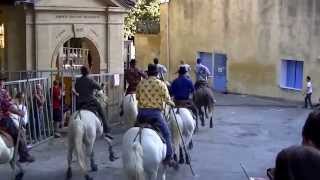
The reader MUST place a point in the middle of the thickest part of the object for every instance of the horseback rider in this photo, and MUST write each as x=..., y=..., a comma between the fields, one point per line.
x=152, y=93
x=7, y=124
x=133, y=76
x=162, y=70
x=181, y=89
x=202, y=74
x=84, y=90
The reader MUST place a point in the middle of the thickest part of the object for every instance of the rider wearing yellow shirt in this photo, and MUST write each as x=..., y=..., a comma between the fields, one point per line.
x=152, y=95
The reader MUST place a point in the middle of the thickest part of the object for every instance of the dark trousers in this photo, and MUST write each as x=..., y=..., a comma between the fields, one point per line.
x=154, y=118
x=307, y=100
x=94, y=106
x=11, y=128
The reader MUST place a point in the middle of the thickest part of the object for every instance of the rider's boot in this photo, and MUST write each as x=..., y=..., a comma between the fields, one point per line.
x=24, y=153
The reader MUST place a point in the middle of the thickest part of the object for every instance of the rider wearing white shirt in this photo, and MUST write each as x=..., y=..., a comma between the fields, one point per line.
x=202, y=72
x=162, y=70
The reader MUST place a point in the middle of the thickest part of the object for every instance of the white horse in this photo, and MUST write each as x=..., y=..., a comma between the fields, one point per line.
x=130, y=109
x=84, y=128
x=6, y=156
x=143, y=150
x=182, y=117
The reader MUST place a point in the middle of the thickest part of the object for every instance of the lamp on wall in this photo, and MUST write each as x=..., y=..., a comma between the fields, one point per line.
x=1, y=36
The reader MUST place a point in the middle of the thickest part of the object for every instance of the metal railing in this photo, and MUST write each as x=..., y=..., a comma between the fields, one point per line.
x=38, y=125
x=40, y=118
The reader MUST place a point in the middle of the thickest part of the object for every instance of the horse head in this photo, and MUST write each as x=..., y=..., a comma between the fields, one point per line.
x=101, y=97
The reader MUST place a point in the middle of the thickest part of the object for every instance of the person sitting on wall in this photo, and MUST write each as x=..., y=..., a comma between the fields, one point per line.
x=301, y=162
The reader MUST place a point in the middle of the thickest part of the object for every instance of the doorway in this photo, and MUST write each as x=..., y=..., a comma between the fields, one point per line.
x=217, y=65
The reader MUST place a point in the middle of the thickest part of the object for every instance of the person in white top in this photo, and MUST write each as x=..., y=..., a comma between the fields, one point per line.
x=202, y=72
x=307, y=99
x=19, y=103
x=187, y=66
x=162, y=70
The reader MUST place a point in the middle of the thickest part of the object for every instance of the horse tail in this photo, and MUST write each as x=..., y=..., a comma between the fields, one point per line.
x=78, y=133
x=134, y=163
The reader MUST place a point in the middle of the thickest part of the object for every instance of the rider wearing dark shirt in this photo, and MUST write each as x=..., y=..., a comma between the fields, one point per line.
x=85, y=88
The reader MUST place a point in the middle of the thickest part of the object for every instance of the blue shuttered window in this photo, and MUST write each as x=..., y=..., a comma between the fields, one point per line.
x=293, y=77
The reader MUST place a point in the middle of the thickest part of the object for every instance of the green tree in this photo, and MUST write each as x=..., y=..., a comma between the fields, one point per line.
x=144, y=11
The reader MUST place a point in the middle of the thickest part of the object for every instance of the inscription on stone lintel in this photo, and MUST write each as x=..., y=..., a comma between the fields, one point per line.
x=77, y=16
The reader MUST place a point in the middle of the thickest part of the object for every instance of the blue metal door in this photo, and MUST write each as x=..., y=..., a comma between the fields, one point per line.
x=207, y=60
x=220, y=72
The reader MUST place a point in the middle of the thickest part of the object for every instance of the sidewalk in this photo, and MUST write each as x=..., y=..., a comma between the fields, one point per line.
x=253, y=101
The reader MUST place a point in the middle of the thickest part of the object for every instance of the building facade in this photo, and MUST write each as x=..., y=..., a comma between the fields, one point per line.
x=264, y=48
x=46, y=34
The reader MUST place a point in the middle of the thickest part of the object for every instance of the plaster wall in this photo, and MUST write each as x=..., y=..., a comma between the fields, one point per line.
x=147, y=48
x=254, y=34
x=15, y=38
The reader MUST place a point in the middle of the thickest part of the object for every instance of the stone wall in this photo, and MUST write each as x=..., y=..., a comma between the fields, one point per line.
x=255, y=36
x=15, y=37
x=147, y=48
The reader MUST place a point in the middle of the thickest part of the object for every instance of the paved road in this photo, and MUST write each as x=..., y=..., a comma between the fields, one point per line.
x=247, y=134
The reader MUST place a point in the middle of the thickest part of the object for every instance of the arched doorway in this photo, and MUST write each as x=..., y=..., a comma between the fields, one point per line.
x=76, y=52
x=68, y=58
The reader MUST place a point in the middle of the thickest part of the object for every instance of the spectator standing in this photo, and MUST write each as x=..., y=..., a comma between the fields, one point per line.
x=162, y=70
x=39, y=101
x=307, y=99
x=56, y=103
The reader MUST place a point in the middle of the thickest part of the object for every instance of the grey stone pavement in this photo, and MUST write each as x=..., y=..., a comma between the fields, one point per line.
x=247, y=130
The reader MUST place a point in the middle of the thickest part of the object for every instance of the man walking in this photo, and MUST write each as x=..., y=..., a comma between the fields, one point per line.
x=152, y=94
x=307, y=99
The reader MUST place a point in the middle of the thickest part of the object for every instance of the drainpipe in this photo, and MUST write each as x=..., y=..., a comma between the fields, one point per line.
x=168, y=38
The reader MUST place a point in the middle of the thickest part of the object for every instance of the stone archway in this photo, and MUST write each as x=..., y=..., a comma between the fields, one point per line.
x=83, y=50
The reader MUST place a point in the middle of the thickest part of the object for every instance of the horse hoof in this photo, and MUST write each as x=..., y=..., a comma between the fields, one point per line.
x=190, y=145
x=94, y=167
x=187, y=160
x=87, y=177
x=181, y=161
x=113, y=157
x=175, y=158
x=19, y=176
x=69, y=174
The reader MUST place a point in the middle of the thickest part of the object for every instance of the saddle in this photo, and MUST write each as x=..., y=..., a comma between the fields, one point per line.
x=182, y=103
x=148, y=125
x=188, y=104
x=7, y=138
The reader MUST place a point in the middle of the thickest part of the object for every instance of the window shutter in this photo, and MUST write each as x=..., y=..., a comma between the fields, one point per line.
x=291, y=74
x=299, y=75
